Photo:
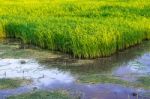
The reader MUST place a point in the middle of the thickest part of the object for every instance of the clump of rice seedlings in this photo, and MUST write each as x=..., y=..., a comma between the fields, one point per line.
x=76, y=27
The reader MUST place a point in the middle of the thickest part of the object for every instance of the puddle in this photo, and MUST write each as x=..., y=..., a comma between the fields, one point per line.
x=12, y=68
x=128, y=66
x=133, y=69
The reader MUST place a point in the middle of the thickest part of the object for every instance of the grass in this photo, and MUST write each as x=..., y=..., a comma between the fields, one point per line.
x=42, y=95
x=144, y=82
x=141, y=82
x=76, y=27
x=96, y=79
x=12, y=83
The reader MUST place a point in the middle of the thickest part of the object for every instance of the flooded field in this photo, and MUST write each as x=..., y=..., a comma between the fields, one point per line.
x=124, y=75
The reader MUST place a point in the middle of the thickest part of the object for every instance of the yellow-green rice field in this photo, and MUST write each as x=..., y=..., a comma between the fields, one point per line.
x=82, y=28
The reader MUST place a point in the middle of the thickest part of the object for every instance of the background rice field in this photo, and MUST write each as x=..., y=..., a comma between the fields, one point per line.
x=85, y=29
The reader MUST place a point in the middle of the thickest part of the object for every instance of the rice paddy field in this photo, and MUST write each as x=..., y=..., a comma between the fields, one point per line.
x=82, y=28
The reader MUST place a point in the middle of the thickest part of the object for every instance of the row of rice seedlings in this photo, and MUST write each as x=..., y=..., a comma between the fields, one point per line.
x=102, y=40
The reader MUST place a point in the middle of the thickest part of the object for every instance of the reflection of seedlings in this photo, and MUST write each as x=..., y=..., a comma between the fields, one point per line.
x=23, y=62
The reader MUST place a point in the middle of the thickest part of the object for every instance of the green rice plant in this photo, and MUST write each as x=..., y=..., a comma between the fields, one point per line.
x=76, y=27
x=2, y=34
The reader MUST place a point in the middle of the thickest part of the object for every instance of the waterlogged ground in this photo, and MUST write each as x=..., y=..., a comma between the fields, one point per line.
x=125, y=75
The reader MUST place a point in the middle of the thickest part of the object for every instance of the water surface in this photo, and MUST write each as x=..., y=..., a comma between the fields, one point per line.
x=53, y=71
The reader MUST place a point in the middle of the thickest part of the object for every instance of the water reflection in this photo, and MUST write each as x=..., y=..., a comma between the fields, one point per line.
x=31, y=69
x=52, y=73
x=134, y=69
x=108, y=64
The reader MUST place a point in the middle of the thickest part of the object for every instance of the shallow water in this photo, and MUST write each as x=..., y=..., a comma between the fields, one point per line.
x=133, y=69
x=51, y=71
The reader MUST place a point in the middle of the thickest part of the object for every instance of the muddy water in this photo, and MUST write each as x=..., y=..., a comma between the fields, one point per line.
x=52, y=71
